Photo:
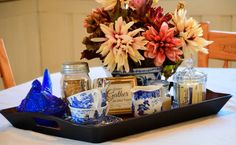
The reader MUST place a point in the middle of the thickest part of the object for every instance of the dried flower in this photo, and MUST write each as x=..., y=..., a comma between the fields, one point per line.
x=97, y=17
x=162, y=45
x=140, y=6
x=126, y=34
x=189, y=31
x=157, y=17
x=120, y=44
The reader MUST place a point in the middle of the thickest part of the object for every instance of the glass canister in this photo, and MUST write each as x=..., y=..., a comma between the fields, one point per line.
x=75, y=78
x=189, y=85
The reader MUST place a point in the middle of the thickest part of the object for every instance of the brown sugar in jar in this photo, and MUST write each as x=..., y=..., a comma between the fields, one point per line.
x=75, y=78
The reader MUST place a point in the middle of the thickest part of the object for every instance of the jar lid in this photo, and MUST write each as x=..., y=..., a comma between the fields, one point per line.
x=75, y=67
x=189, y=74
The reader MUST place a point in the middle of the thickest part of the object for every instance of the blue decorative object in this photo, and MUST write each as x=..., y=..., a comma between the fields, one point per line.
x=88, y=107
x=88, y=116
x=101, y=84
x=86, y=101
x=146, y=99
x=143, y=75
x=93, y=98
x=143, y=107
x=104, y=98
x=140, y=94
x=47, y=83
x=40, y=99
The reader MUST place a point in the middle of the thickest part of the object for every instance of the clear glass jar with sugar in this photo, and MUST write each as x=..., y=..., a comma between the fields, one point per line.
x=75, y=78
x=189, y=85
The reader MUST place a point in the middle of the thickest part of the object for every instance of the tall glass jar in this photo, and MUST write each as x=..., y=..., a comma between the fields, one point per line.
x=75, y=78
x=189, y=85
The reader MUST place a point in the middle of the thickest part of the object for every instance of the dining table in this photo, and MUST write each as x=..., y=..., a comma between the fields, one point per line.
x=217, y=129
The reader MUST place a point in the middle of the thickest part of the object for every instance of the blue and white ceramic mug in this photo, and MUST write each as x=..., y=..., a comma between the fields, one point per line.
x=146, y=99
x=88, y=116
x=89, y=106
x=94, y=98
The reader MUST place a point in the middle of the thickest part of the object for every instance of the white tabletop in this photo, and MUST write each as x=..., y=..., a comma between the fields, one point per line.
x=219, y=129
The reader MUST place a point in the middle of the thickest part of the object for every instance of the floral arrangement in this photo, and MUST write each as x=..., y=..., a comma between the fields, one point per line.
x=127, y=34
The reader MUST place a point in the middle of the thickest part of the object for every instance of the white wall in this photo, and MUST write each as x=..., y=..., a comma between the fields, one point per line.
x=20, y=30
x=46, y=33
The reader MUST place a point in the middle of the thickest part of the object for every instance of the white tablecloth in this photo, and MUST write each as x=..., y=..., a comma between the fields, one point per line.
x=219, y=129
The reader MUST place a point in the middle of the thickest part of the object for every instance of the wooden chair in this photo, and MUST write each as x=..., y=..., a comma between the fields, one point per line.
x=223, y=47
x=5, y=68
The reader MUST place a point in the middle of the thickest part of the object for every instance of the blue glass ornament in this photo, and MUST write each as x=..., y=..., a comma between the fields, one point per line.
x=47, y=83
x=40, y=99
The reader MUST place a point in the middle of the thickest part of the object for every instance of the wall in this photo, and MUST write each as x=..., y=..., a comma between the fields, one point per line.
x=19, y=29
x=42, y=34
x=61, y=28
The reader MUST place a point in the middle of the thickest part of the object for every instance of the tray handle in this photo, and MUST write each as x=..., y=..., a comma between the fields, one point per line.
x=42, y=122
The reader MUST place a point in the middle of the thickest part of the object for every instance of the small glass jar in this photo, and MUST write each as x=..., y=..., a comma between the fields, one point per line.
x=75, y=78
x=189, y=85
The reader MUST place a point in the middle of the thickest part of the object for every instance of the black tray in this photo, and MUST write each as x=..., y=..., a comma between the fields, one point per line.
x=96, y=134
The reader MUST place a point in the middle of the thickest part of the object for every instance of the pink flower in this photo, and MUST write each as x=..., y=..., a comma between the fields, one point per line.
x=140, y=6
x=162, y=45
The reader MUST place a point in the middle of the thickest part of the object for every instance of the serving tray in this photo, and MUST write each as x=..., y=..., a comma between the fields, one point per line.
x=96, y=134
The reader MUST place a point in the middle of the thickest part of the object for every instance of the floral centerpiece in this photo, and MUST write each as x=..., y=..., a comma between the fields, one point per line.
x=127, y=34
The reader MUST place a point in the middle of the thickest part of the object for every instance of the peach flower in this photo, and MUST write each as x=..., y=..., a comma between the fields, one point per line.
x=120, y=44
x=162, y=45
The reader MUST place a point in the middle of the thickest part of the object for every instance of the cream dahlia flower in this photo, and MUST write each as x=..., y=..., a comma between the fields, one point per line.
x=190, y=32
x=110, y=4
x=120, y=44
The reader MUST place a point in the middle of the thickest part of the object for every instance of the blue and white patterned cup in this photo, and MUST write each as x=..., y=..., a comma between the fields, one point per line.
x=88, y=116
x=94, y=98
x=89, y=106
x=146, y=99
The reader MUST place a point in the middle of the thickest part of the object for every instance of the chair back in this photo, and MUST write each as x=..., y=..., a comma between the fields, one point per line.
x=223, y=47
x=5, y=68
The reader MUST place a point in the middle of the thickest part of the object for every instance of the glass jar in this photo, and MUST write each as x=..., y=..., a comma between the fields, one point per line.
x=189, y=85
x=75, y=78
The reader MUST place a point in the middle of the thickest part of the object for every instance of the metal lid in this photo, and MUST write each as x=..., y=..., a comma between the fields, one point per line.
x=75, y=67
x=189, y=74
